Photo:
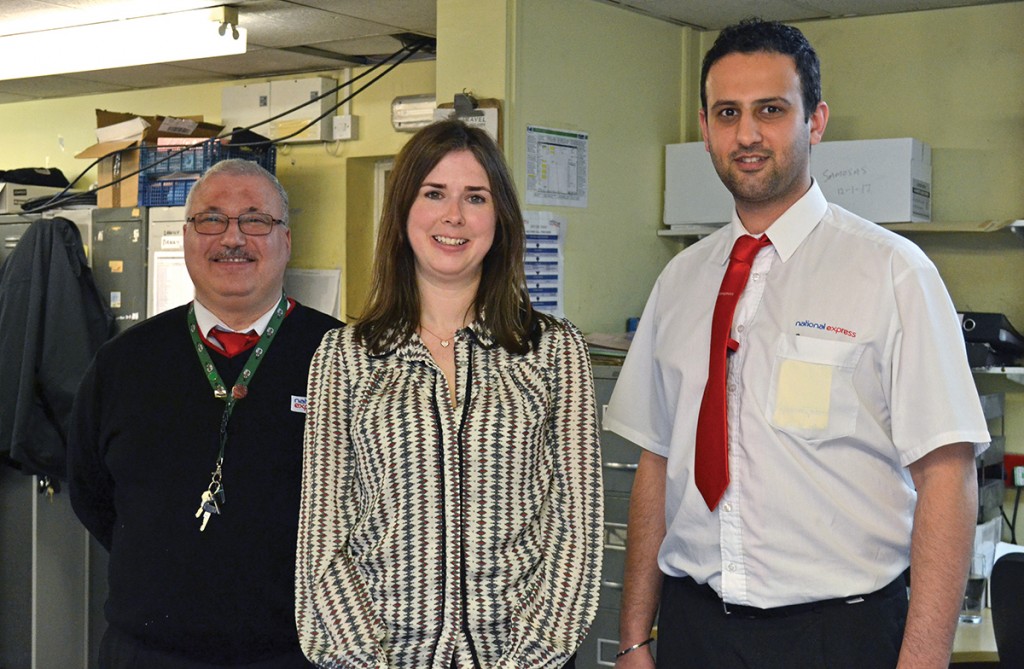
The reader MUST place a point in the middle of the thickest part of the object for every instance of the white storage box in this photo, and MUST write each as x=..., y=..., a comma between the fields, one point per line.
x=883, y=180
x=693, y=191
x=13, y=196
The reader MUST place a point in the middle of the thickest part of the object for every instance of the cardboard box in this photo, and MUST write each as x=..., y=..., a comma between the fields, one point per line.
x=883, y=180
x=119, y=137
x=693, y=191
x=13, y=196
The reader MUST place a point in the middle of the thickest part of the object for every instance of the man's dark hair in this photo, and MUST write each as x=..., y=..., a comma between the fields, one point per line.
x=755, y=35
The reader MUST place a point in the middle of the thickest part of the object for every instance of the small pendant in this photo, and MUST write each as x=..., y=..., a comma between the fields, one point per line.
x=239, y=391
x=220, y=393
x=445, y=343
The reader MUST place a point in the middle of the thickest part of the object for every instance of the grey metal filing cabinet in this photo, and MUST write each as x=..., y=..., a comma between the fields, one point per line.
x=619, y=459
x=119, y=262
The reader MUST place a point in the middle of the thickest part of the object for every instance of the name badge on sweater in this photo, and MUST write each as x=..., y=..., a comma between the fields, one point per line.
x=298, y=404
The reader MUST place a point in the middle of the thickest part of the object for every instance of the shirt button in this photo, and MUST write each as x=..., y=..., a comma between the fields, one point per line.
x=727, y=507
x=739, y=328
x=755, y=276
x=732, y=387
x=731, y=567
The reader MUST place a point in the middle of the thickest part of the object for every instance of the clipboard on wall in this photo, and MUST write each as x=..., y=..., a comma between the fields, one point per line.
x=484, y=113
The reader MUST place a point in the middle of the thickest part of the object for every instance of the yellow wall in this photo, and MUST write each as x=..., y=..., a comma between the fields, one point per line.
x=590, y=67
x=472, y=48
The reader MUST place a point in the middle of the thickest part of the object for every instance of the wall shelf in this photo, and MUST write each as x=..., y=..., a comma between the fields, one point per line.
x=1015, y=226
x=991, y=226
x=690, y=230
x=1015, y=374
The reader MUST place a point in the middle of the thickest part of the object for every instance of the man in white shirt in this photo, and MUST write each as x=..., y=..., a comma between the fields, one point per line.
x=185, y=448
x=850, y=415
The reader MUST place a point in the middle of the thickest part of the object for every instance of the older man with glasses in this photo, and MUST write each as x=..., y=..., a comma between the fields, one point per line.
x=186, y=445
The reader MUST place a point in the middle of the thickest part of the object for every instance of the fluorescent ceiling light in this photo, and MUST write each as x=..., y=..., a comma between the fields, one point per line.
x=163, y=38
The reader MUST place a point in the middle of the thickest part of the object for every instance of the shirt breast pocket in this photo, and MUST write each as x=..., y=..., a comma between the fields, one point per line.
x=812, y=395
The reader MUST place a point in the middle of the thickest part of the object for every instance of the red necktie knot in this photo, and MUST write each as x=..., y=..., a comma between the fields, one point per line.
x=234, y=343
x=746, y=247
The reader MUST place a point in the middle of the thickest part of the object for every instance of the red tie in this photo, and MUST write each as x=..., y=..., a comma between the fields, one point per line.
x=711, y=461
x=236, y=342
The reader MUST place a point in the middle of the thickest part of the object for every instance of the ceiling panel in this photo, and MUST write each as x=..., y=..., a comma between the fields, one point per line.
x=720, y=13
x=262, y=62
x=304, y=33
x=57, y=87
x=408, y=15
x=274, y=24
x=364, y=46
x=141, y=76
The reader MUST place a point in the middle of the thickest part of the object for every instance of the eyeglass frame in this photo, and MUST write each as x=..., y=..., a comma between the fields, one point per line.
x=273, y=221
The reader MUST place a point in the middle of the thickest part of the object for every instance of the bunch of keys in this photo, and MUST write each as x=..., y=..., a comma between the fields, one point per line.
x=207, y=507
x=207, y=503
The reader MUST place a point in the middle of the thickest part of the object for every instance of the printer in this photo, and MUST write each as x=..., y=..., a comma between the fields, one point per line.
x=991, y=340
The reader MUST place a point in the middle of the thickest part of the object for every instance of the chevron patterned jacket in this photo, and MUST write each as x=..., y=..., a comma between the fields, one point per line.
x=440, y=536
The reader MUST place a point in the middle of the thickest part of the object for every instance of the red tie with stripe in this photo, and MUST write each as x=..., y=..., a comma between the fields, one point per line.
x=711, y=459
x=234, y=343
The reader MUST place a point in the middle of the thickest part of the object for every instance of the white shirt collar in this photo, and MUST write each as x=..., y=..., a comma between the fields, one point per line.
x=207, y=320
x=791, y=228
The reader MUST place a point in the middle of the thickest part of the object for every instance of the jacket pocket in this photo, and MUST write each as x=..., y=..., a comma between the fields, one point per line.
x=812, y=395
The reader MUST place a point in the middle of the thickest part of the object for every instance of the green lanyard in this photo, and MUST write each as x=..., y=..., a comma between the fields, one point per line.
x=238, y=391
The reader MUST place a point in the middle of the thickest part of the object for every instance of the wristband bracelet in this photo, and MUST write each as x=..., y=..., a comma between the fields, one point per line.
x=633, y=647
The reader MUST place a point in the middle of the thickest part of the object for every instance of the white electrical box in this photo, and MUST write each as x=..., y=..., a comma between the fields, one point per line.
x=246, y=105
x=285, y=95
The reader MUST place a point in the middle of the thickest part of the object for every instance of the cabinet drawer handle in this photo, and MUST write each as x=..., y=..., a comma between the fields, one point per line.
x=623, y=466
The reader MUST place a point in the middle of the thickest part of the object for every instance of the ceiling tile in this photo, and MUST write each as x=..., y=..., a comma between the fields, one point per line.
x=57, y=87
x=417, y=16
x=274, y=24
x=263, y=62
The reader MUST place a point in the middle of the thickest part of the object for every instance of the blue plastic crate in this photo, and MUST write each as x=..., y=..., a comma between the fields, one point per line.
x=164, y=192
x=160, y=160
x=265, y=155
x=155, y=190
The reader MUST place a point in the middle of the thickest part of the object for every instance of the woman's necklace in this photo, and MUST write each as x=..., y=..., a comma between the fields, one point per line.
x=445, y=343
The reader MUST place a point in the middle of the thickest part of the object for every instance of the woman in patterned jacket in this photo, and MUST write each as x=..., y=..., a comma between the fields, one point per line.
x=451, y=507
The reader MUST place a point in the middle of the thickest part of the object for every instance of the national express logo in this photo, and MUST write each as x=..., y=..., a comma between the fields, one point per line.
x=827, y=328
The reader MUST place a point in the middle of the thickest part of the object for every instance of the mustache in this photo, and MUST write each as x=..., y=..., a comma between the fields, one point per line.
x=233, y=254
x=755, y=150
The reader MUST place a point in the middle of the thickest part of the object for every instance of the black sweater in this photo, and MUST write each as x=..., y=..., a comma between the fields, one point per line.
x=143, y=441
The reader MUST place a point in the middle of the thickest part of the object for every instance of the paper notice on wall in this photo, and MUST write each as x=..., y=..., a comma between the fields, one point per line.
x=556, y=167
x=316, y=288
x=545, y=261
x=172, y=286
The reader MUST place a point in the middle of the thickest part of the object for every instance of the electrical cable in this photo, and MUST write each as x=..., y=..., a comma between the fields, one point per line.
x=336, y=106
x=1012, y=524
x=408, y=49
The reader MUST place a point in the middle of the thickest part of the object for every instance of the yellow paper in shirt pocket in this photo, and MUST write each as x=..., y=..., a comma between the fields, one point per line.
x=802, y=395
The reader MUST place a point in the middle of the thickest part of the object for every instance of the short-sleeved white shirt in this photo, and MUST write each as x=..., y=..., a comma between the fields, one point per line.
x=851, y=365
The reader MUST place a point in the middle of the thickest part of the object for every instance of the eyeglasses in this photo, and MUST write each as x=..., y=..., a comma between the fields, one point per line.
x=254, y=224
